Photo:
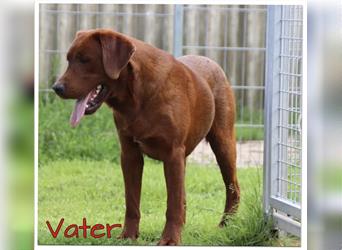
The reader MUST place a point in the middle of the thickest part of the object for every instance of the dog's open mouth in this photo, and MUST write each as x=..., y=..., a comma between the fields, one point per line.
x=88, y=104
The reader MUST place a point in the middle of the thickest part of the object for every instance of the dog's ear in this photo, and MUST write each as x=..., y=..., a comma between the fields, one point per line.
x=116, y=52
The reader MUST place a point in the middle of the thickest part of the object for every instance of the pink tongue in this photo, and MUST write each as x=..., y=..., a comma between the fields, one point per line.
x=79, y=109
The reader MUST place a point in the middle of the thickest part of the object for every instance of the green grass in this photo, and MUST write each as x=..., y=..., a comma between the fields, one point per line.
x=75, y=182
x=94, y=190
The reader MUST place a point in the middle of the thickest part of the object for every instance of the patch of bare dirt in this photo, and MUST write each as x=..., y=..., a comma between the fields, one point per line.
x=249, y=154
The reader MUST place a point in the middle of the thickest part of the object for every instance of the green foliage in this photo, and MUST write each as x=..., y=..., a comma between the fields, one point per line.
x=243, y=134
x=94, y=190
x=245, y=115
x=95, y=137
x=55, y=65
x=249, y=117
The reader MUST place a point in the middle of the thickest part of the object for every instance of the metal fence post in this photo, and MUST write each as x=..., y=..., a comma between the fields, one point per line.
x=272, y=79
x=178, y=30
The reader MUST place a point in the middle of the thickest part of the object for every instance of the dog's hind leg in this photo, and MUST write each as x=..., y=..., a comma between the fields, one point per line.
x=221, y=138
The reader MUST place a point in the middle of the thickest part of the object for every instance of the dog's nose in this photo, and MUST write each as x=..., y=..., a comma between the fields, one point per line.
x=58, y=88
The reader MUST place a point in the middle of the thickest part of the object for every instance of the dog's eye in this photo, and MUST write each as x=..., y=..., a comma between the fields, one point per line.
x=83, y=59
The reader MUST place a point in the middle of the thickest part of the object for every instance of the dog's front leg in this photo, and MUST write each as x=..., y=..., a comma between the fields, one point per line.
x=174, y=170
x=132, y=163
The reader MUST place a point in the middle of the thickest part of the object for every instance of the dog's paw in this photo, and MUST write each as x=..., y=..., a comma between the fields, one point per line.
x=225, y=220
x=171, y=235
x=168, y=242
x=130, y=230
x=223, y=223
x=126, y=234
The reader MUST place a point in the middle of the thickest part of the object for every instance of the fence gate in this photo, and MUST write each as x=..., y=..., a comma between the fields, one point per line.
x=283, y=108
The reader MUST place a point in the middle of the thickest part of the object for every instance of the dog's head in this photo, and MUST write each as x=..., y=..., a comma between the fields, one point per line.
x=95, y=60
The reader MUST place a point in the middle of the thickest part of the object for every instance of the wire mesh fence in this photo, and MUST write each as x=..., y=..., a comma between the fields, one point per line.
x=290, y=106
x=232, y=35
x=283, y=151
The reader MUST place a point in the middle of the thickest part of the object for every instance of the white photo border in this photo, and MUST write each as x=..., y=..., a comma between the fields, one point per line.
x=214, y=2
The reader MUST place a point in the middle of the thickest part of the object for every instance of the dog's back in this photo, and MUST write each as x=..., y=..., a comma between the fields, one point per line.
x=215, y=77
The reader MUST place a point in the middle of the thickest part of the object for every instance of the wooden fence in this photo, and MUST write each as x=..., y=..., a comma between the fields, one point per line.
x=232, y=35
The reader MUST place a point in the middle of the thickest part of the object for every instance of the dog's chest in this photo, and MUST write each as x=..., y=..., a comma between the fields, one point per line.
x=151, y=135
x=154, y=147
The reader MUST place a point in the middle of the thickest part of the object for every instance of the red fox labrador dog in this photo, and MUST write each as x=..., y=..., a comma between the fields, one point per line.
x=162, y=107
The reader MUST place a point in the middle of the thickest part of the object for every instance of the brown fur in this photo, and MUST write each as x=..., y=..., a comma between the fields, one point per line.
x=163, y=107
